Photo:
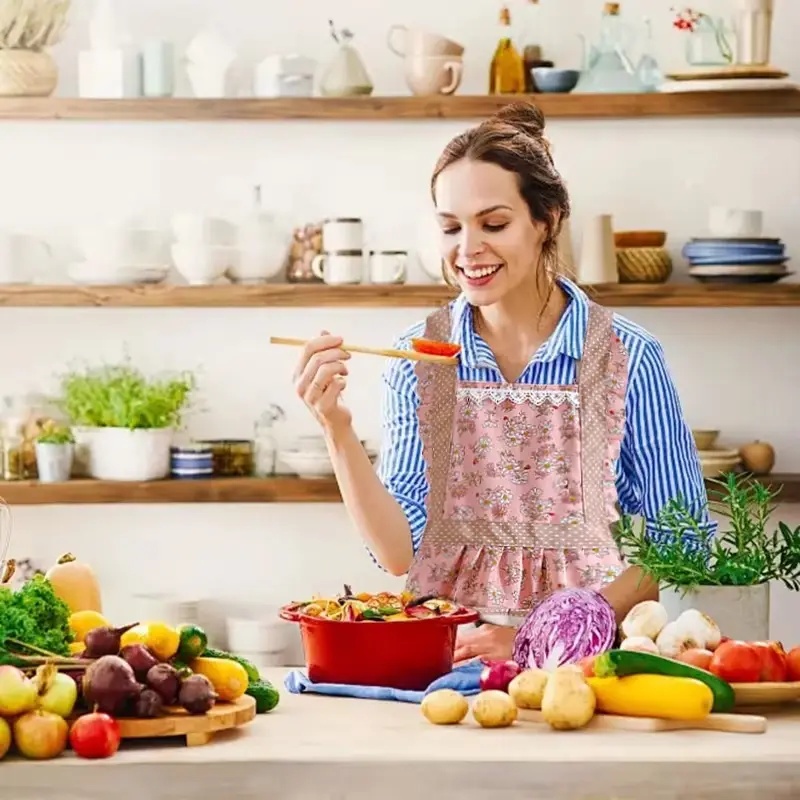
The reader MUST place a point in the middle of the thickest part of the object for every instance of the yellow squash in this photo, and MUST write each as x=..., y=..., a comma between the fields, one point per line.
x=660, y=696
x=76, y=584
x=228, y=678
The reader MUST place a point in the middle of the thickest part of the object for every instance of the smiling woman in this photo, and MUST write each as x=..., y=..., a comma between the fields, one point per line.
x=501, y=476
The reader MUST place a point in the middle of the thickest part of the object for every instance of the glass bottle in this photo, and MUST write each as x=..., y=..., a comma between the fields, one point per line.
x=507, y=71
x=265, y=443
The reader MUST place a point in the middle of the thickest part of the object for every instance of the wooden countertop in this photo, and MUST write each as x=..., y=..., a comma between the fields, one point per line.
x=313, y=748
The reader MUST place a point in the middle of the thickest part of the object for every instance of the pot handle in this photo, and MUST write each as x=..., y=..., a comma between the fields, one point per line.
x=289, y=614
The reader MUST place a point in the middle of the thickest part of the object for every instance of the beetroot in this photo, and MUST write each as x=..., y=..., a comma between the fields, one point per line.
x=165, y=681
x=109, y=683
x=140, y=658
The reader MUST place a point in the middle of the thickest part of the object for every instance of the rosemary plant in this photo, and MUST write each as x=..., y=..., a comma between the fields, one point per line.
x=745, y=553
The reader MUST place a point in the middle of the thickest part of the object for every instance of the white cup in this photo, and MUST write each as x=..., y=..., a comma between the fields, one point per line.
x=735, y=223
x=343, y=267
x=388, y=266
x=201, y=264
x=342, y=233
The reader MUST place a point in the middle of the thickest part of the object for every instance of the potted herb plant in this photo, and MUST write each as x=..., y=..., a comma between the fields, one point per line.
x=54, y=452
x=124, y=419
x=729, y=579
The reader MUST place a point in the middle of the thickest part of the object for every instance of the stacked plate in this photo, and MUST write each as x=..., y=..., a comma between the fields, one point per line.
x=736, y=260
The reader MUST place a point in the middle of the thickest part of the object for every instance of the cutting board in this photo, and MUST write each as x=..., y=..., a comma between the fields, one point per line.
x=730, y=723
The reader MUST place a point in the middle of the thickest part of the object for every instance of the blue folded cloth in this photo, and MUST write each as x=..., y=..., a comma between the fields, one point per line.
x=464, y=679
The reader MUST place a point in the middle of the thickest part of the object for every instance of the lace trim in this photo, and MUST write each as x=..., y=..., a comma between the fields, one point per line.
x=518, y=396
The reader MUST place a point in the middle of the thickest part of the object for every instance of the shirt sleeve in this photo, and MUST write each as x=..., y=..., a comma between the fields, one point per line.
x=401, y=466
x=658, y=458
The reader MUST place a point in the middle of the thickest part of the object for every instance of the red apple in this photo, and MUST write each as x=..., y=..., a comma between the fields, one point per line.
x=17, y=693
x=95, y=735
x=40, y=735
x=5, y=737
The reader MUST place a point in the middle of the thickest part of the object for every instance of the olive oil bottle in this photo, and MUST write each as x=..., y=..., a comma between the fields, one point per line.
x=507, y=71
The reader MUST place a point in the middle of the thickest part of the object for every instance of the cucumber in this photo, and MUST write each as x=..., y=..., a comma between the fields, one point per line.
x=253, y=675
x=265, y=695
x=619, y=663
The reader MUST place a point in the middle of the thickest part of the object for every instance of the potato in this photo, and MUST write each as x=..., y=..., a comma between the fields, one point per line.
x=527, y=688
x=494, y=709
x=568, y=702
x=444, y=707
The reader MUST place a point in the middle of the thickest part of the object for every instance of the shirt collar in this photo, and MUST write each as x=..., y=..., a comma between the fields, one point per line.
x=567, y=339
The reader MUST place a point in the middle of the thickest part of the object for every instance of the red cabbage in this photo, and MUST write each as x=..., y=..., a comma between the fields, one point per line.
x=578, y=622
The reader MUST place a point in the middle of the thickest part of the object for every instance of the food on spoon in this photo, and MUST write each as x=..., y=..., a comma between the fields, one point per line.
x=661, y=696
x=444, y=707
x=105, y=641
x=140, y=659
x=228, y=677
x=109, y=683
x=641, y=643
x=40, y=735
x=95, y=735
x=165, y=681
x=17, y=693
x=568, y=703
x=622, y=663
x=148, y=704
x=197, y=694
x=494, y=709
x=527, y=688
x=434, y=348
x=736, y=662
x=76, y=584
x=498, y=675
x=647, y=619
x=697, y=657
x=568, y=624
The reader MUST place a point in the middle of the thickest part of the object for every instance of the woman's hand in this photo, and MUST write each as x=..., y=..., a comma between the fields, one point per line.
x=491, y=642
x=320, y=379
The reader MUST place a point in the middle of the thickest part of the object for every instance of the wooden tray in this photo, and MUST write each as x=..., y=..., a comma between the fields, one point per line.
x=729, y=723
x=198, y=729
x=766, y=694
x=733, y=71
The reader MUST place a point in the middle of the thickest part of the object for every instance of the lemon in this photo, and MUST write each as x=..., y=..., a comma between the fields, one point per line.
x=162, y=640
x=76, y=648
x=81, y=622
x=137, y=635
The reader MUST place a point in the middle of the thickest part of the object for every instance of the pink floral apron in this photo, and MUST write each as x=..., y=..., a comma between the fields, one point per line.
x=521, y=480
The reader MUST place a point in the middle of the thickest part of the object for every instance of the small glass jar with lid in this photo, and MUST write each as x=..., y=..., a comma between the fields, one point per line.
x=265, y=441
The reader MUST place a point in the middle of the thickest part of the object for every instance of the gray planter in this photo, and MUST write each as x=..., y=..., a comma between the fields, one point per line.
x=742, y=612
x=54, y=462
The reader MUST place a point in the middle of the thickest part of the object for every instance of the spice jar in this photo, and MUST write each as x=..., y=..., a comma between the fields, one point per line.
x=265, y=442
x=306, y=243
x=232, y=458
x=13, y=466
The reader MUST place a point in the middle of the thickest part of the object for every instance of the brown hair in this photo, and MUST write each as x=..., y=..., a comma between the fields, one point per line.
x=514, y=140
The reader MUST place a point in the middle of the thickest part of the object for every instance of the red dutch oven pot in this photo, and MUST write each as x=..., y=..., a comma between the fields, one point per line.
x=400, y=655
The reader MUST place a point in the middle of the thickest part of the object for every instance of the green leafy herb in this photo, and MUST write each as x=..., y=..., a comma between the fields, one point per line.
x=36, y=616
x=53, y=433
x=746, y=553
x=121, y=396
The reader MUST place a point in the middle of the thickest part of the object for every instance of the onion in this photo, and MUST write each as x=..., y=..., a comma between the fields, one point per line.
x=570, y=624
x=498, y=675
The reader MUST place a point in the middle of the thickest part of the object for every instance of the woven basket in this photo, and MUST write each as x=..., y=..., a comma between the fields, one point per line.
x=27, y=73
x=643, y=265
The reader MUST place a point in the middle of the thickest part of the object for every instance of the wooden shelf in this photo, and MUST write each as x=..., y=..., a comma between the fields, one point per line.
x=668, y=295
x=282, y=489
x=597, y=106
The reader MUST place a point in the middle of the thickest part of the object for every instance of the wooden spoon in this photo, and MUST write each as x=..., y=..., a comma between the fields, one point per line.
x=409, y=355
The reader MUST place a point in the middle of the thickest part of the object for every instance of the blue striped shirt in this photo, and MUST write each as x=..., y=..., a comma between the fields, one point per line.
x=658, y=459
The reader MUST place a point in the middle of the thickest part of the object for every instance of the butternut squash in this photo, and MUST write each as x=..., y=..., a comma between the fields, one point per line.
x=228, y=678
x=76, y=584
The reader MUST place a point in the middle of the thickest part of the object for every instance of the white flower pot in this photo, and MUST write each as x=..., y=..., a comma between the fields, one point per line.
x=119, y=454
x=54, y=461
x=742, y=612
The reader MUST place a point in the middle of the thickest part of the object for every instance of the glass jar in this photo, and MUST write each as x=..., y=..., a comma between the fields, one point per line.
x=707, y=44
x=265, y=442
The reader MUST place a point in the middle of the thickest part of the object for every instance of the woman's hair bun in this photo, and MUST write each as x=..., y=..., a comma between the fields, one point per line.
x=525, y=117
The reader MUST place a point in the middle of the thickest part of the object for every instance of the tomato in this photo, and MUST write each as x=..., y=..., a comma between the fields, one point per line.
x=736, y=662
x=773, y=661
x=432, y=348
x=587, y=665
x=95, y=736
x=696, y=657
x=793, y=664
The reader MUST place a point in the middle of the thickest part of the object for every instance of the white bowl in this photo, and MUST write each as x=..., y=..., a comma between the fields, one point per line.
x=202, y=265
x=308, y=465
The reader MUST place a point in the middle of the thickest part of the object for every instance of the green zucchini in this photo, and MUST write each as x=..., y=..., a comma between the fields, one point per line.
x=265, y=695
x=192, y=643
x=619, y=663
x=253, y=675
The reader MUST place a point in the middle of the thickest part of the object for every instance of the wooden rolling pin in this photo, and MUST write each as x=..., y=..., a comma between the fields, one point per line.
x=410, y=355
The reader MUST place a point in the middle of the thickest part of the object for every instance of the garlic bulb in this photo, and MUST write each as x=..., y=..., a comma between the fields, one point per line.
x=700, y=627
x=645, y=619
x=673, y=640
x=639, y=643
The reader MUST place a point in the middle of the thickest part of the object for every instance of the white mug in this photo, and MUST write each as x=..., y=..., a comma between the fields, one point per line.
x=735, y=223
x=342, y=233
x=388, y=266
x=345, y=266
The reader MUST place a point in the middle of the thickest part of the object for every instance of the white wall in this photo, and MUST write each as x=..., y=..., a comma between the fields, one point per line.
x=737, y=370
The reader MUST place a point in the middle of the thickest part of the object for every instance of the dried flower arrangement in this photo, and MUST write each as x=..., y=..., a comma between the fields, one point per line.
x=32, y=24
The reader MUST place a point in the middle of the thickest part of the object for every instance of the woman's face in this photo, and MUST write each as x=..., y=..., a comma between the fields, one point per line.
x=489, y=241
